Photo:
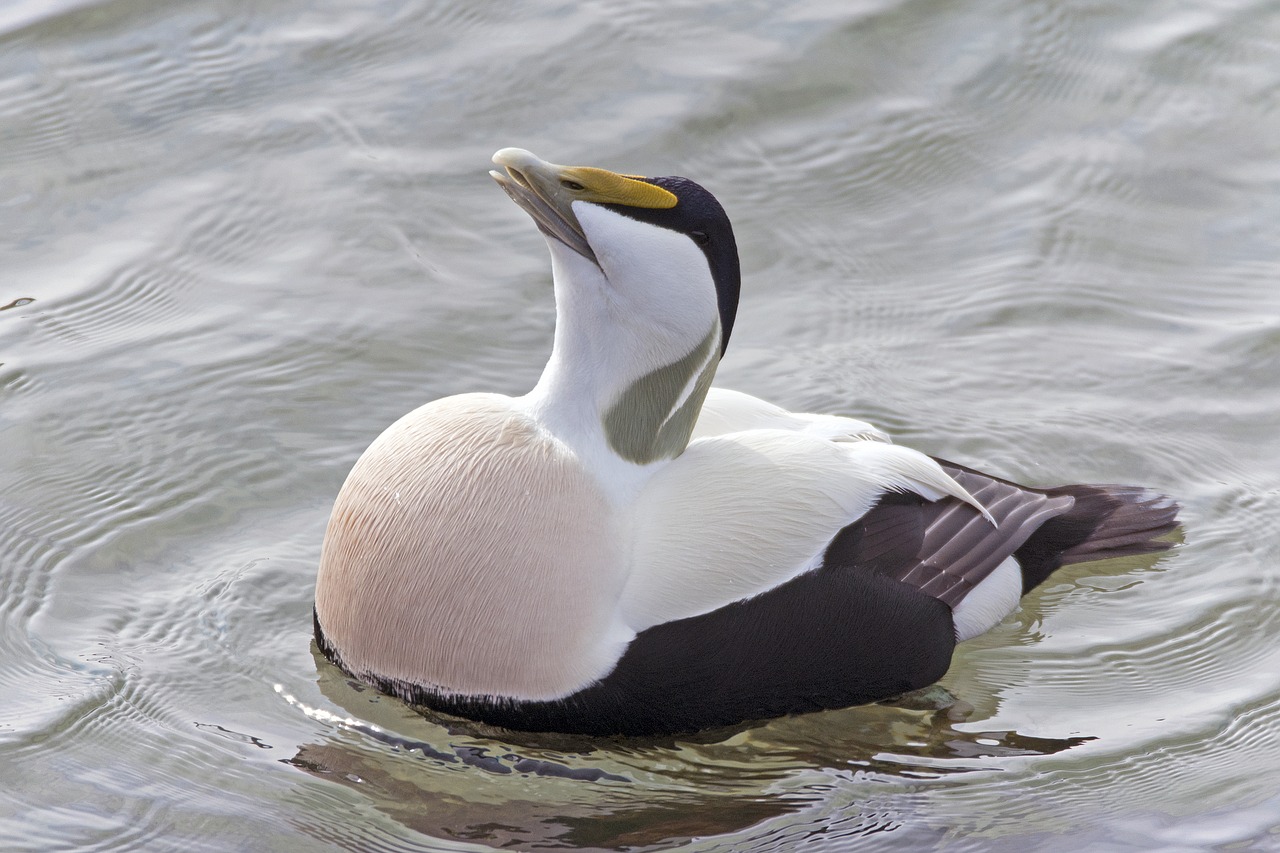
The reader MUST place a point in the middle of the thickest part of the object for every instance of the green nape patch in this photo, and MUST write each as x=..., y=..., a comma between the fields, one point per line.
x=643, y=425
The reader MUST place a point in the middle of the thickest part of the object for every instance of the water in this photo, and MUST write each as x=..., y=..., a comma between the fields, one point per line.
x=238, y=239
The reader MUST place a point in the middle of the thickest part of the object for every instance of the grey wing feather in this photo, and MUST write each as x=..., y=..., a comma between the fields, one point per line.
x=945, y=548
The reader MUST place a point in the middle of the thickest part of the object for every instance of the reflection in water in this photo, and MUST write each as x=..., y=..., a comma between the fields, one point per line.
x=411, y=793
x=454, y=779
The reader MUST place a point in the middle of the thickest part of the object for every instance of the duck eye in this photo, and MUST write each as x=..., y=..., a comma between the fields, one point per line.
x=700, y=237
x=572, y=185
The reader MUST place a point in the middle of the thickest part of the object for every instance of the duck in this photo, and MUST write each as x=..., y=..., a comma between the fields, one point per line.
x=630, y=550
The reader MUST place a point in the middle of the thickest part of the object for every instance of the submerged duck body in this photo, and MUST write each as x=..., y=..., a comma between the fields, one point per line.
x=629, y=550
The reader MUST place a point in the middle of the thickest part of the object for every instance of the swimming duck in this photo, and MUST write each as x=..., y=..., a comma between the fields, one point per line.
x=627, y=549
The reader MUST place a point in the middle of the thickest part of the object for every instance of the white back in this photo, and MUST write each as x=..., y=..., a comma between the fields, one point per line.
x=741, y=513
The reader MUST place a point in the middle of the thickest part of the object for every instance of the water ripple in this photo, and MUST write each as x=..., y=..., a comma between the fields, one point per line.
x=242, y=240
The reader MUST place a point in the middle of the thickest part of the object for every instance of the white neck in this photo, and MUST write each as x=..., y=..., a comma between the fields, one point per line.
x=636, y=342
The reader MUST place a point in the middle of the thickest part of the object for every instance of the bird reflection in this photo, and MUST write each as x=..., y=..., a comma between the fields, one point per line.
x=454, y=779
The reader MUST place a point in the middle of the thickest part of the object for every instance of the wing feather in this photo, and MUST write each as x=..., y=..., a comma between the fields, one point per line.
x=739, y=514
x=945, y=548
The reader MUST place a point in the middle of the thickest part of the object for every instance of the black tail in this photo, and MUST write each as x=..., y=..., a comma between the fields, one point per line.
x=1105, y=522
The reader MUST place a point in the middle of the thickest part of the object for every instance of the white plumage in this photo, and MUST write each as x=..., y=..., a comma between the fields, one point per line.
x=744, y=512
x=624, y=529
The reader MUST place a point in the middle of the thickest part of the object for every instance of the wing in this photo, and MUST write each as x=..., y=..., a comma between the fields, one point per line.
x=945, y=548
x=739, y=514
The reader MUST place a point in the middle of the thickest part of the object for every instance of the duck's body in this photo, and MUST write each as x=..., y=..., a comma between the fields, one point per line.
x=626, y=550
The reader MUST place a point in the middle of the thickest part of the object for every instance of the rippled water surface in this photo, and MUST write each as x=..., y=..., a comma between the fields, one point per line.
x=239, y=239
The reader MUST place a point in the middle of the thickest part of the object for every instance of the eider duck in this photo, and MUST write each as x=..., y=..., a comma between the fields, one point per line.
x=628, y=550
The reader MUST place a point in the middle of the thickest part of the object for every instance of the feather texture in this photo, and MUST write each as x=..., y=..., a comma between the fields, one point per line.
x=450, y=549
x=626, y=549
x=726, y=411
x=744, y=512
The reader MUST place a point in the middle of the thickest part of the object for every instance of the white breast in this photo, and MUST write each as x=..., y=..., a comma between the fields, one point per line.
x=470, y=551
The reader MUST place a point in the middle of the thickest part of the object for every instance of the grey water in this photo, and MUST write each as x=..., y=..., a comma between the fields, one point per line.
x=237, y=239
